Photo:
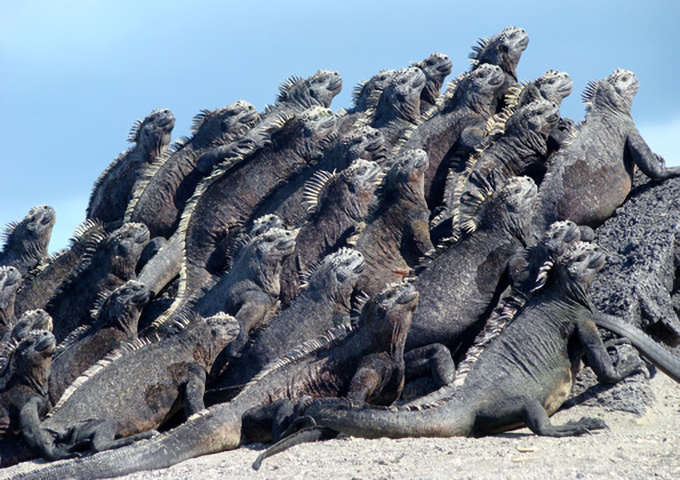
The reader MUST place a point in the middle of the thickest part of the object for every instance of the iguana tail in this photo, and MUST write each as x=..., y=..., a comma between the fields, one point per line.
x=659, y=356
x=209, y=431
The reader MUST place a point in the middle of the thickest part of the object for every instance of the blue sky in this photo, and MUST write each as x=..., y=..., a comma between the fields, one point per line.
x=76, y=74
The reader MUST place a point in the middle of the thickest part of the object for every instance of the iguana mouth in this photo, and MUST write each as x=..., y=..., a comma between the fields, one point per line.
x=46, y=344
x=250, y=117
x=335, y=83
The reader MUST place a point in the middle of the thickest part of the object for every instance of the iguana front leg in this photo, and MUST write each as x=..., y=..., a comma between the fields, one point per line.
x=251, y=314
x=194, y=389
x=598, y=358
x=651, y=164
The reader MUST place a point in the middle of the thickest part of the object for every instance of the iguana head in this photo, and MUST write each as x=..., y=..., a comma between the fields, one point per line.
x=554, y=85
x=401, y=97
x=407, y=174
x=315, y=131
x=540, y=116
x=317, y=90
x=477, y=89
x=508, y=206
x=153, y=133
x=576, y=269
x=37, y=319
x=124, y=246
x=555, y=241
x=10, y=281
x=367, y=93
x=364, y=142
x=387, y=316
x=616, y=92
x=223, y=330
x=504, y=49
x=225, y=124
x=32, y=235
x=436, y=68
x=336, y=276
x=265, y=223
x=273, y=245
x=123, y=306
x=33, y=358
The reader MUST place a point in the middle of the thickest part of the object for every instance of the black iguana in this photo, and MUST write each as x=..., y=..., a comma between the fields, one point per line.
x=436, y=68
x=10, y=280
x=26, y=241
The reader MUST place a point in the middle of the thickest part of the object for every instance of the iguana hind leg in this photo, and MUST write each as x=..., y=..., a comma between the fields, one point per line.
x=537, y=420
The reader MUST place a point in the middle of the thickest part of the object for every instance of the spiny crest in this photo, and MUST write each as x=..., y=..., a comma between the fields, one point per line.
x=314, y=187
x=588, y=95
x=478, y=51
x=543, y=274
x=358, y=90
x=72, y=338
x=199, y=118
x=327, y=340
x=286, y=85
x=101, y=365
x=102, y=297
x=133, y=135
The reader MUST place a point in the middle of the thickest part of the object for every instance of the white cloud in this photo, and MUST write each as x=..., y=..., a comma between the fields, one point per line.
x=664, y=139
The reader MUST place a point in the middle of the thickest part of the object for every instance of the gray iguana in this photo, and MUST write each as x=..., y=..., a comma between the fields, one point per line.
x=161, y=194
x=458, y=123
x=226, y=200
x=324, y=303
x=27, y=241
x=397, y=235
x=322, y=367
x=338, y=203
x=132, y=390
x=113, y=189
x=111, y=265
x=521, y=378
x=41, y=283
x=115, y=322
x=365, y=99
x=589, y=178
x=436, y=68
x=10, y=280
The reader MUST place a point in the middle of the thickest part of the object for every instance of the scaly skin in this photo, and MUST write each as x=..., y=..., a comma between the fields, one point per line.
x=27, y=241
x=112, y=264
x=113, y=189
x=40, y=285
x=458, y=124
x=436, y=68
x=398, y=109
x=365, y=97
x=134, y=389
x=593, y=175
x=10, y=280
x=397, y=235
x=326, y=371
x=115, y=323
x=505, y=50
x=324, y=304
x=160, y=198
x=461, y=285
x=342, y=204
x=521, y=378
x=229, y=198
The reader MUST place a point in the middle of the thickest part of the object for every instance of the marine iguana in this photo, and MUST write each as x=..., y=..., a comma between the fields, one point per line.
x=161, y=194
x=459, y=120
x=115, y=322
x=398, y=108
x=325, y=303
x=461, y=285
x=298, y=94
x=321, y=367
x=10, y=280
x=592, y=176
x=228, y=198
x=521, y=378
x=26, y=242
x=41, y=283
x=397, y=235
x=32, y=359
x=436, y=68
x=29, y=321
x=113, y=189
x=250, y=289
x=337, y=204
x=365, y=98
x=505, y=50
x=518, y=151
x=132, y=390
x=112, y=264
x=290, y=201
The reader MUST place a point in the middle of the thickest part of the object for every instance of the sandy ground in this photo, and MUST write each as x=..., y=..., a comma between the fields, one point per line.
x=633, y=447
